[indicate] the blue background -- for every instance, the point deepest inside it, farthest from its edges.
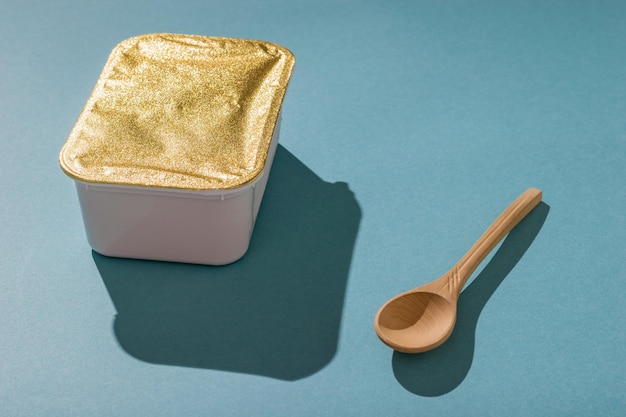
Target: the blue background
(408, 127)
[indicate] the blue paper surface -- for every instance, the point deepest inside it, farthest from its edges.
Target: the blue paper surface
(407, 128)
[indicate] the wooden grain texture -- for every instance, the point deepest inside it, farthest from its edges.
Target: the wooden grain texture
(423, 318)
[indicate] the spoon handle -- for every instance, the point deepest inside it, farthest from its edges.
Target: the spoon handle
(509, 218)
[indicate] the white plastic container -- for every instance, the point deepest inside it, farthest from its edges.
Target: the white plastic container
(175, 190)
(210, 227)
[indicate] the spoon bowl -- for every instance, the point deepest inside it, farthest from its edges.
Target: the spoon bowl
(423, 318)
(416, 321)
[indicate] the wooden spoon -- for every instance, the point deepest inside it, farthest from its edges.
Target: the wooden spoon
(423, 318)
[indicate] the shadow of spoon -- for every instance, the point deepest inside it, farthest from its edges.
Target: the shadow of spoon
(439, 371)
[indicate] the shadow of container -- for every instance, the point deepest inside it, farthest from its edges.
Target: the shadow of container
(276, 312)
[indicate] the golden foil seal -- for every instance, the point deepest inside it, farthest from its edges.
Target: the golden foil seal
(180, 111)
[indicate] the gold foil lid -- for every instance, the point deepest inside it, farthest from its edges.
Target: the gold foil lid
(180, 111)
